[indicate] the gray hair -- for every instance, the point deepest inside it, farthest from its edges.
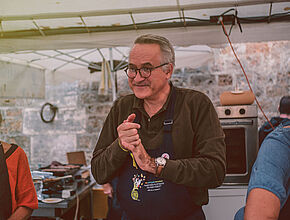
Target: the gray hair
(166, 48)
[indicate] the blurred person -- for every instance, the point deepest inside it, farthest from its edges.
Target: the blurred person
(284, 110)
(269, 186)
(163, 145)
(114, 209)
(17, 193)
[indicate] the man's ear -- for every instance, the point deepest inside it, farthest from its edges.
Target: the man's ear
(169, 70)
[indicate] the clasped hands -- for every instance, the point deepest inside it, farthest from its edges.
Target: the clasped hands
(130, 140)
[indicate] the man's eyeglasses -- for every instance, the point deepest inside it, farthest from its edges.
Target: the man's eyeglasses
(144, 72)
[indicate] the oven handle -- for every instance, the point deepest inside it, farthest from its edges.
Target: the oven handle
(238, 123)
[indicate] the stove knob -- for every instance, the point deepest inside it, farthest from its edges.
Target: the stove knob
(227, 111)
(242, 111)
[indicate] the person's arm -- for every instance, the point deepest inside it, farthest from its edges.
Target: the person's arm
(262, 204)
(206, 166)
(21, 213)
(267, 190)
(25, 193)
(108, 156)
(108, 189)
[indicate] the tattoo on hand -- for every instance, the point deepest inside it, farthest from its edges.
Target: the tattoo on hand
(141, 157)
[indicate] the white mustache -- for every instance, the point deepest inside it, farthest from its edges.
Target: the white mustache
(140, 84)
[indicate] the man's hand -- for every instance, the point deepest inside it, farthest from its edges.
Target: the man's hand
(128, 133)
(129, 139)
(108, 189)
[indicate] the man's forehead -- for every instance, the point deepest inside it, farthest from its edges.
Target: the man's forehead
(145, 53)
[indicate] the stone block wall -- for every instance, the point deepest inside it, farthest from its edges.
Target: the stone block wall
(81, 111)
(78, 121)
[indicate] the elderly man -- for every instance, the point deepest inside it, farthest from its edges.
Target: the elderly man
(163, 144)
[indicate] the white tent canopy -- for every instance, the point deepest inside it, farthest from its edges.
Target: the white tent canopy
(73, 24)
(65, 35)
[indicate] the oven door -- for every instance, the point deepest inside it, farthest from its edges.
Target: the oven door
(241, 138)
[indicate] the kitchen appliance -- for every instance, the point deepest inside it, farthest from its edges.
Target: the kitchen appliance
(65, 179)
(239, 123)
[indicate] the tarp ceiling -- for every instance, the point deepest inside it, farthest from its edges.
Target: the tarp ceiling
(72, 24)
(76, 33)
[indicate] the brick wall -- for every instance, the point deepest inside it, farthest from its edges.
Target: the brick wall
(81, 111)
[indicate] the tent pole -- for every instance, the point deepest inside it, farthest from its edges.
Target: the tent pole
(112, 72)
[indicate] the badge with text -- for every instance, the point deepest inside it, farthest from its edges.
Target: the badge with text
(138, 181)
(165, 155)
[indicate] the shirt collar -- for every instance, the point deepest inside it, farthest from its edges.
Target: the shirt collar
(285, 122)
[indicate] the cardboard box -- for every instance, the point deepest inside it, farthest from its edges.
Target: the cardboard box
(100, 203)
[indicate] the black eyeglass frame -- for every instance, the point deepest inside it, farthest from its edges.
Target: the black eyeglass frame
(139, 70)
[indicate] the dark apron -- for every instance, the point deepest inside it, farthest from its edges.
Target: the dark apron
(5, 192)
(144, 196)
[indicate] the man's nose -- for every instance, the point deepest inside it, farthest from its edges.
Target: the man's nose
(138, 77)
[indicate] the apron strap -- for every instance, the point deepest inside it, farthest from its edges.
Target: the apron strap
(5, 192)
(167, 144)
(168, 122)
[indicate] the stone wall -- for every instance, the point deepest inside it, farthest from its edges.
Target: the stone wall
(81, 111)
